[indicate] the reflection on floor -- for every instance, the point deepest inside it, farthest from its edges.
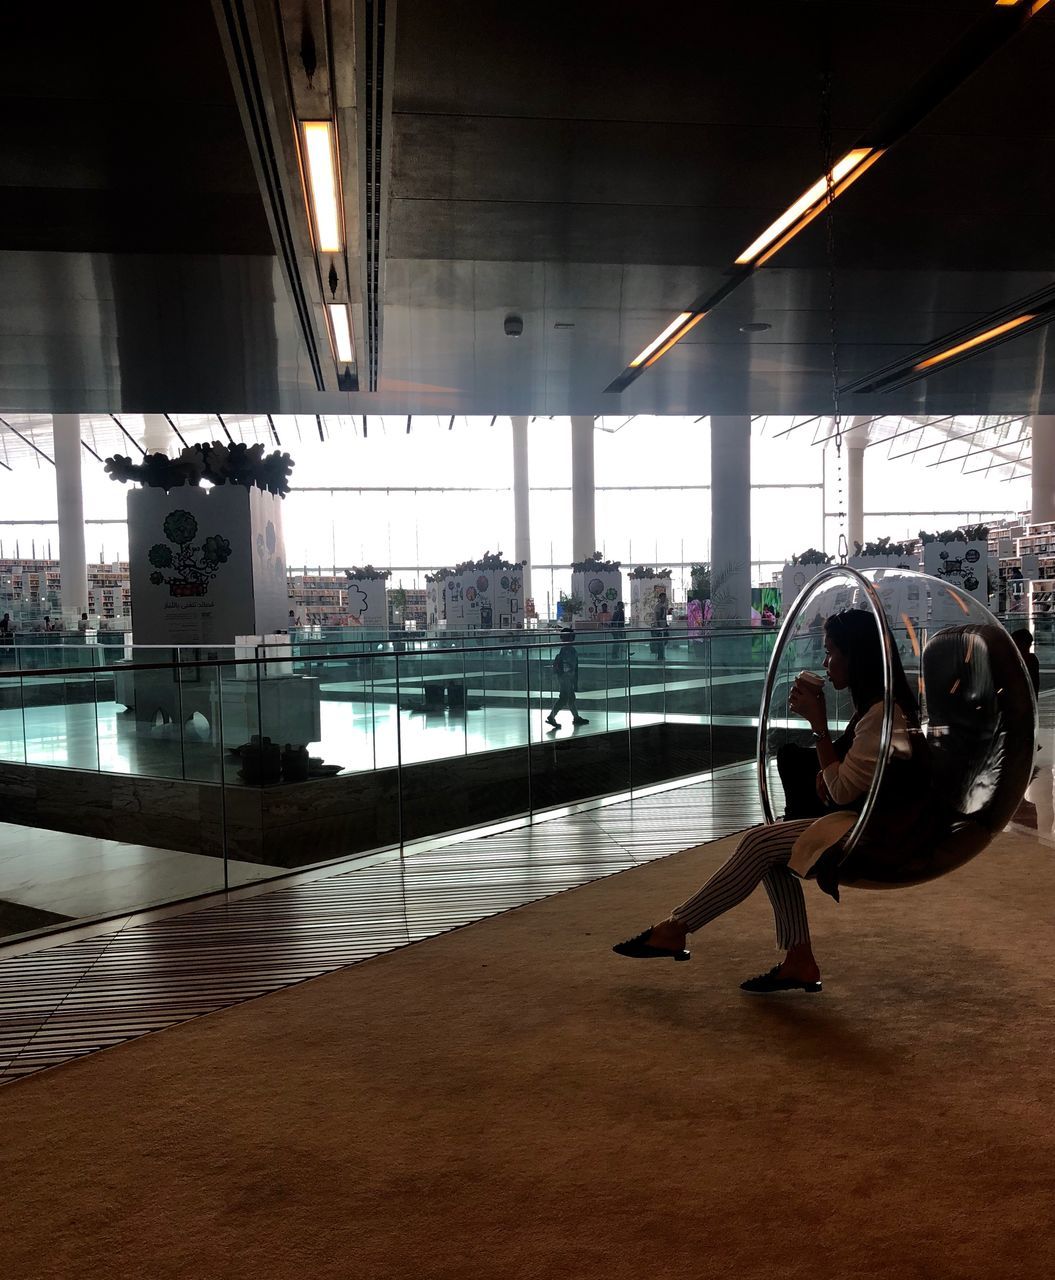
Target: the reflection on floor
(47, 877)
(357, 735)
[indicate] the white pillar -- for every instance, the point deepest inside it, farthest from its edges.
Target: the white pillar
(521, 501)
(731, 518)
(854, 441)
(157, 434)
(66, 430)
(1043, 449)
(583, 529)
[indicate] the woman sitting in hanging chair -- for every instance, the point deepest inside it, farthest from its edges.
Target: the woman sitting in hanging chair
(853, 661)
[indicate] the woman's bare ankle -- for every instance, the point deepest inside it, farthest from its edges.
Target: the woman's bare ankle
(669, 932)
(800, 963)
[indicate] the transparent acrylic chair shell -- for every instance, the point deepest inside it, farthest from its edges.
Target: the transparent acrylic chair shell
(810, 593)
(978, 700)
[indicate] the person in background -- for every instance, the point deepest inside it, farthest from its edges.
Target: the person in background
(660, 626)
(1023, 639)
(82, 625)
(617, 623)
(566, 665)
(5, 625)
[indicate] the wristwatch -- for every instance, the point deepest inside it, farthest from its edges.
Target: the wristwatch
(820, 737)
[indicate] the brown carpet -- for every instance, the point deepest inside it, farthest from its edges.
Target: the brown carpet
(512, 1100)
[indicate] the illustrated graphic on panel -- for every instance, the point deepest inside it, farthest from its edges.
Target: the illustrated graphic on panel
(193, 568)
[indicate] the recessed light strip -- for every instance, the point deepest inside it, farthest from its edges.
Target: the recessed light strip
(813, 199)
(694, 319)
(678, 326)
(976, 341)
(341, 326)
(321, 165)
(837, 190)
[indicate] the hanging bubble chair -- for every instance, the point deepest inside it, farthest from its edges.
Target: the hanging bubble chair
(972, 748)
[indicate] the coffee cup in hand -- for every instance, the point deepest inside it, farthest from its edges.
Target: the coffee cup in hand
(810, 679)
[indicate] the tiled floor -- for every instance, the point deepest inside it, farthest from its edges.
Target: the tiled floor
(150, 971)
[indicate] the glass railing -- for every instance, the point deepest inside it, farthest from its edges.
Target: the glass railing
(178, 771)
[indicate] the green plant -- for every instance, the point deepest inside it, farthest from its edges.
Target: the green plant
(240, 464)
(812, 556)
(594, 564)
(968, 533)
(700, 579)
(367, 573)
(570, 605)
(489, 560)
(648, 571)
(882, 547)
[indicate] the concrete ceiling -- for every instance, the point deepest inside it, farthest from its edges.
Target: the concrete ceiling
(577, 165)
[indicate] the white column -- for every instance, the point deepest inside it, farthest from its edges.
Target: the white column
(1043, 449)
(521, 501)
(854, 440)
(66, 429)
(731, 518)
(157, 434)
(583, 529)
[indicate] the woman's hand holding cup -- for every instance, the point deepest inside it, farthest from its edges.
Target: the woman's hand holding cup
(807, 699)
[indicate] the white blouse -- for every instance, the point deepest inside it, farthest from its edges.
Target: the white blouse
(850, 778)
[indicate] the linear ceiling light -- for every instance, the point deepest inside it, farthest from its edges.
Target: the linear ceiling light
(808, 205)
(322, 179)
(342, 331)
(976, 341)
(674, 332)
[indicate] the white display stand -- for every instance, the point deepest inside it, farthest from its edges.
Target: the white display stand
(483, 599)
(794, 578)
(206, 564)
(435, 606)
(643, 595)
(367, 602)
(598, 589)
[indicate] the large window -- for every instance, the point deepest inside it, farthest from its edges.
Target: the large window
(442, 492)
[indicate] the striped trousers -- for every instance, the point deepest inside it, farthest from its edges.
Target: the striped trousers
(761, 856)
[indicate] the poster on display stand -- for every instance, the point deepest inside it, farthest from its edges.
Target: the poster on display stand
(961, 564)
(367, 602)
(598, 589)
(644, 592)
(507, 596)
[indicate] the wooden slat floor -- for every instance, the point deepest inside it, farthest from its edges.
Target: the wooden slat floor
(67, 1000)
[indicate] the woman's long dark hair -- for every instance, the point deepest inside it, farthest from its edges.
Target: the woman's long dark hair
(855, 634)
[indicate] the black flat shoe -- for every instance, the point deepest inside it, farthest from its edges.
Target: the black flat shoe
(766, 983)
(639, 948)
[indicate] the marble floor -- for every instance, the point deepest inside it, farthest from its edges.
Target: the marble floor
(78, 877)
